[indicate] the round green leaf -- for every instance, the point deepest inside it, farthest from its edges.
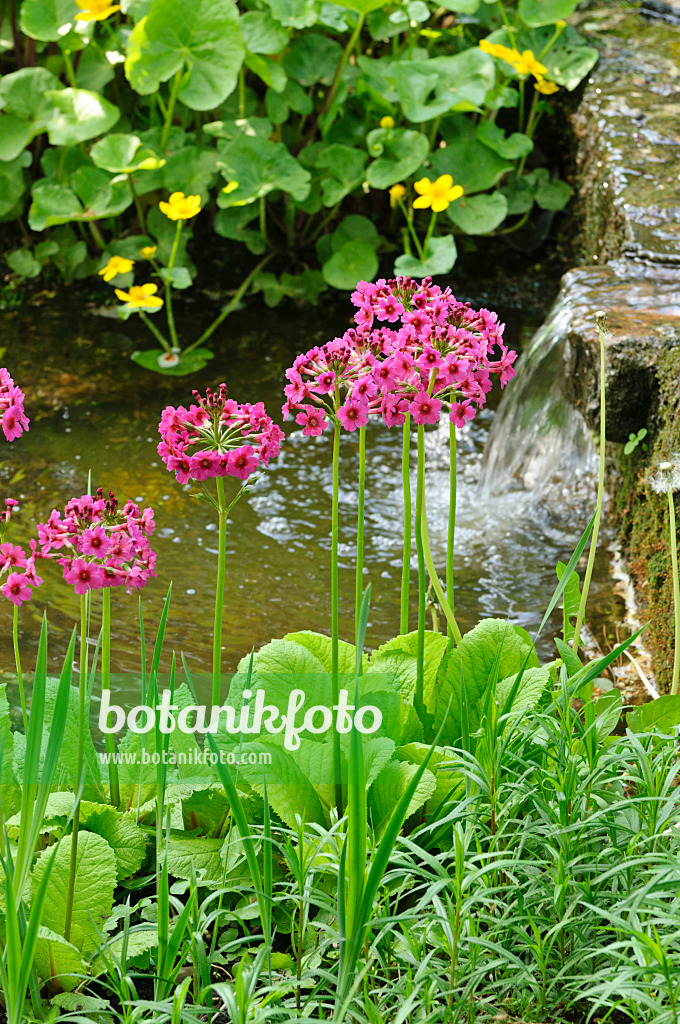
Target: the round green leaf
(477, 215)
(190, 363)
(354, 261)
(440, 258)
(121, 154)
(202, 37)
(313, 58)
(552, 195)
(355, 228)
(545, 12)
(294, 13)
(262, 34)
(399, 152)
(80, 115)
(260, 166)
(44, 19)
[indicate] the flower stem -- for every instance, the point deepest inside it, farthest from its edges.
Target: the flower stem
(452, 525)
(154, 330)
(82, 695)
(406, 556)
(219, 593)
(422, 582)
(602, 329)
(676, 591)
(412, 230)
(428, 236)
(330, 95)
(167, 124)
(335, 621)
(17, 662)
(168, 287)
(360, 530)
(243, 288)
(109, 741)
(432, 571)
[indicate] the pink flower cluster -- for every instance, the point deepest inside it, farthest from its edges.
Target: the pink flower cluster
(14, 419)
(104, 545)
(440, 353)
(207, 439)
(17, 586)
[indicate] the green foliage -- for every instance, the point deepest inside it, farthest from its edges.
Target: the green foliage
(262, 108)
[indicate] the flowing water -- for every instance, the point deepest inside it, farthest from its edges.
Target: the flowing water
(518, 511)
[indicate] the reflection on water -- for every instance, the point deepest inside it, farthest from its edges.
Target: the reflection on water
(279, 537)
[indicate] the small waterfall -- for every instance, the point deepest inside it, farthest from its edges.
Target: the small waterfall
(538, 443)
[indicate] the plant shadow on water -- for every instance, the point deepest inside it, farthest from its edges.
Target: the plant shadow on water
(278, 548)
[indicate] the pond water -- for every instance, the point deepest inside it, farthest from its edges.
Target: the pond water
(92, 409)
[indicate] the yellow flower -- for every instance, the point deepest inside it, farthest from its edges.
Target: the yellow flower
(141, 296)
(95, 10)
(496, 50)
(397, 192)
(181, 207)
(387, 122)
(560, 24)
(438, 194)
(545, 86)
(147, 252)
(528, 65)
(116, 265)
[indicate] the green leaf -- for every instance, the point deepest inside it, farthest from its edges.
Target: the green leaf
(519, 193)
(660, 715)
(470, 163)
(313, 58)
(45, 19)
(232, 223)
(294, 13)
(320, 646)
(308, 285)
(390, 786)
(290, 779)
(93, 897)
(27, 111)
(478, 215)
(123, 154)
(440, 257)
(399, 153)
(461, 6)
(138, 941)
(124, 837)
(360, 6)
(353, 261)
(203, 38)
(474, 659)
(268, 69)
(450, 784)
(260, 166)
(355, 228)
(545, 12)
(531, 688)
(58, 961)
(512, 148)
(192, 170)
(400, 657)
(261, 33)
(24, 263)
(428, 89)
(192, 362)
(571, 595)
(184, 853)
(12, 183)
(551, 195)
(81, 115)
(344, 166)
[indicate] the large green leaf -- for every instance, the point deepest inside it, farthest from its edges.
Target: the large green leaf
(191, 170)
(469, 162)
(295, 13)
(46, 19)
(342, 168)
(260, 166)
(292, 779)
(474, 659)
(313, 58)
(123, 154)
(80, 115)
(93, 195)
(450, 784)
(440, 257)
(399, 656)
(662, 714)
(510, 148)
(58, 961)
(353, 262)
(477, 215)
(183, 852)
(124, 837)
(545, 12)
(12, 182)
(398, 152)
(360, 6)
(389, 788)
(320, 646)
(428, 89)
(261, 33)
(202, 37)
(93, 895)
(26, 110)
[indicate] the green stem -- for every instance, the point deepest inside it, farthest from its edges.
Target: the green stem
(109, 742)
(82, 697)
(138, 206)
(167, 124)
(428, 236)
(412, 230)
(676, 592)
(168, 287)
(521, 105)
(601, 326)
(243, 288)
(263, 219)
(341, 66)
(406, 556)
(68, 65)
(335, 619)
(97, 235)
(504, 16)
(432, 572)
(242, 93)
(360, 530)
(422, 582)
(219, 593)
(452, 524)
(17, 662)
(154, 330)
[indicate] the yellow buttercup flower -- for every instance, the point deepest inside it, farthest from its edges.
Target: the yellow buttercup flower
(545, 86)
(397, 192)
(496, 50)
(438, 194)
(141, 296)
(387, 122)
(181, 207)
(116, 265)
(528, 65)
(147, 252)
(95, 10)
